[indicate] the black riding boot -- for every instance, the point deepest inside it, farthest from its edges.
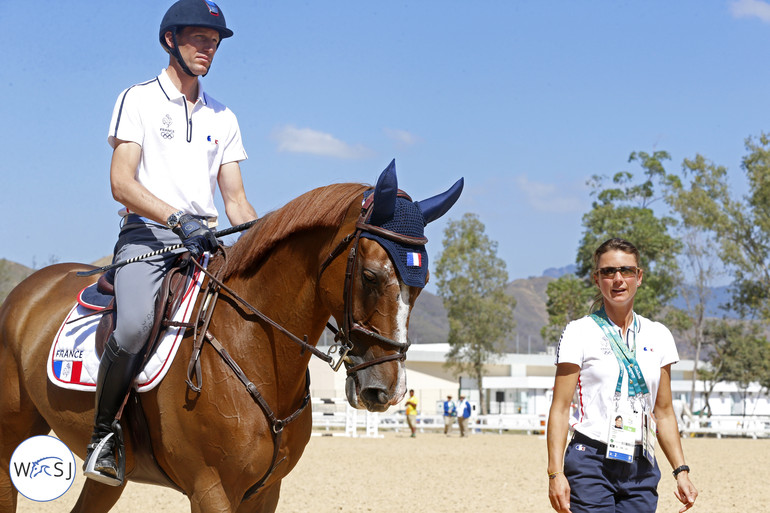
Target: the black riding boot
(117, 370)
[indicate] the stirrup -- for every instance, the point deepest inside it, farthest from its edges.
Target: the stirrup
(89, 467)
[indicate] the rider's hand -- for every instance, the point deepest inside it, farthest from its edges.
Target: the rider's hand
(196, 236)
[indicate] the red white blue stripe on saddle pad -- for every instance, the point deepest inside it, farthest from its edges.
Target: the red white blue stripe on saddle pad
(73, 363)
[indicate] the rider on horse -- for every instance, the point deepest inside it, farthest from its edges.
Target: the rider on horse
(171, 144)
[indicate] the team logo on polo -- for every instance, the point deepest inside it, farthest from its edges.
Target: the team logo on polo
(168, 132)
(606, 348)
(42, 468)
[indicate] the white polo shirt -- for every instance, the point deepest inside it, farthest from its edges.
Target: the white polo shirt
(584, 343)
(182, 149)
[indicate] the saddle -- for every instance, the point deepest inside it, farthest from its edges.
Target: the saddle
(167, 303)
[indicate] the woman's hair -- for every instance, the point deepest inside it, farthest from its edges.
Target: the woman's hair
(614, 244)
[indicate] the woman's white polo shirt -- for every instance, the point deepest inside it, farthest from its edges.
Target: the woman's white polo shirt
(583, 343)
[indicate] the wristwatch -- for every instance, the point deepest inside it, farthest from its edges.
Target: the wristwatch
(680, 469)
(173, 219)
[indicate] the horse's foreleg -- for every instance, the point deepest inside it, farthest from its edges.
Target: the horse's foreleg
(266, 501)
(96, 497)
(211, 498)
(209, 495)
(19, 420)
(8, 494)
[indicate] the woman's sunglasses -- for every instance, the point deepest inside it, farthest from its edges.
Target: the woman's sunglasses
(626, 271)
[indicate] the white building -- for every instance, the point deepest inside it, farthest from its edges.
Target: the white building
(523, 383)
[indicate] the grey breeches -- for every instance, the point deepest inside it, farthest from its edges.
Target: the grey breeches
(137, 283)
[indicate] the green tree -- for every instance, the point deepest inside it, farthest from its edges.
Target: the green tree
(692, 197)
(743, 230)
(568, 299)
(622, 208)
(471, 280)
(741, 227)
(739, 353)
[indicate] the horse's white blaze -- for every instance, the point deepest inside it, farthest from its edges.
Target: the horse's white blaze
(402, 316)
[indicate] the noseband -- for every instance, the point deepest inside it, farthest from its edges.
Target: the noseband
(343, 337)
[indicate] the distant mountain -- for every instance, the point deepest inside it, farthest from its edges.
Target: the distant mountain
(11, 274)
(719, 296)
(429, 322)
(558, 272)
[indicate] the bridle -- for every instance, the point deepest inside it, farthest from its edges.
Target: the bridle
(343, 337)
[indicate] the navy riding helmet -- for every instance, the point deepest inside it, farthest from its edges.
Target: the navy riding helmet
(191, 13)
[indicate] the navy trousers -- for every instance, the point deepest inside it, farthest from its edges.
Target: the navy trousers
(599, 485)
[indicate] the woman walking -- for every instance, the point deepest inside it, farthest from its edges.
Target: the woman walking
(619, 364)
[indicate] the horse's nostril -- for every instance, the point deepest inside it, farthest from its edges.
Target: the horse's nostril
(375, 396)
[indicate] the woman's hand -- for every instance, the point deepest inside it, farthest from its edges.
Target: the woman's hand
(558, 493)
(685, 491)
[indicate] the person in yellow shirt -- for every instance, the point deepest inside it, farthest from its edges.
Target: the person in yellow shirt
(411, 412)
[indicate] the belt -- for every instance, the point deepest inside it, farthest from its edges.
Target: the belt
(580, 438)
(211, 222)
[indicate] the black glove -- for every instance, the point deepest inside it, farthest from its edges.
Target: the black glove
(196, 236)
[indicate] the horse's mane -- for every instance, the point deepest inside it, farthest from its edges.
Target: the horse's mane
(324, 207)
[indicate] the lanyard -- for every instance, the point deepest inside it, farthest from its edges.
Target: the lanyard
(625, 356)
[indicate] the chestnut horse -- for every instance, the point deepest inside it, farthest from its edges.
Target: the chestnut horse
(225, 445)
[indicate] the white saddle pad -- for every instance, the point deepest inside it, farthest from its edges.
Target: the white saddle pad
(73, 363)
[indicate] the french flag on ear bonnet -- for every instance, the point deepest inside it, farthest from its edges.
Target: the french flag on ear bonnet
(403, 216)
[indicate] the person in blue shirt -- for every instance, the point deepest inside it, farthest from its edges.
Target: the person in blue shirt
(463, 414)
(450, 412)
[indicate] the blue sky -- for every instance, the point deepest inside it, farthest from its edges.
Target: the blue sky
(525, 99)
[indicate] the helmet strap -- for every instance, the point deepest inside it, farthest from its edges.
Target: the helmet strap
(178, 56)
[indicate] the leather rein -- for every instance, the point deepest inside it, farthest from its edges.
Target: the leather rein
(342, 337)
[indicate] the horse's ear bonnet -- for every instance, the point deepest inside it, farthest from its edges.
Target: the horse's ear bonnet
(398, 213)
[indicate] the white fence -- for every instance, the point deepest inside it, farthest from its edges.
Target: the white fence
(532, 424)
(335, 417)
(726, 425)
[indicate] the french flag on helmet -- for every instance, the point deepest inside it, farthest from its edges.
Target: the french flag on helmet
(414, 259)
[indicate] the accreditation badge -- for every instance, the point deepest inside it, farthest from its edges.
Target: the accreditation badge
(649, 437)
(625, 425)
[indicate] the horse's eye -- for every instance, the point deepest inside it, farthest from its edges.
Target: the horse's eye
(369, 277)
